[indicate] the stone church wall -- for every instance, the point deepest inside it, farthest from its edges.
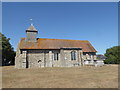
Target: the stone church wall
(45, 58)
(66, 58)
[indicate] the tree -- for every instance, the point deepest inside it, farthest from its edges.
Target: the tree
(8, 54)
(112, 55)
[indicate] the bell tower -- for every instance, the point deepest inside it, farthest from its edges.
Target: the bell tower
(31, 34)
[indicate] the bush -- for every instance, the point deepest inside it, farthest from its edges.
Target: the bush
(112, 55)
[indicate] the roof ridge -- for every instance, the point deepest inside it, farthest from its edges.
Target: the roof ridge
(63, 39)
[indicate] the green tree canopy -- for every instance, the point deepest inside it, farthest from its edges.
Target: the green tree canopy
(8, 53)
(112, 55)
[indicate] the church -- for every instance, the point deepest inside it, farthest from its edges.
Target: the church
(33, 52)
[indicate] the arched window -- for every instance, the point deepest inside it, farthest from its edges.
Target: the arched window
(55, 56)
(73, 55)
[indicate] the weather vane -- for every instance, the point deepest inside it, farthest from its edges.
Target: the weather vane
(31, 21)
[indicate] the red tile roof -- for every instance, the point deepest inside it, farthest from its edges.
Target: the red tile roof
(44, 43)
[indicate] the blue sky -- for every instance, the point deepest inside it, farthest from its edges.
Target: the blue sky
(96, 22)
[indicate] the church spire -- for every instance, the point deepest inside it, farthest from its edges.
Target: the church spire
(31, 28)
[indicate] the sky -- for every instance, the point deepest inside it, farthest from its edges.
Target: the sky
(96, 22)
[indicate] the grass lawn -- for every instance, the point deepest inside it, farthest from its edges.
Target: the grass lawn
(73, 77)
